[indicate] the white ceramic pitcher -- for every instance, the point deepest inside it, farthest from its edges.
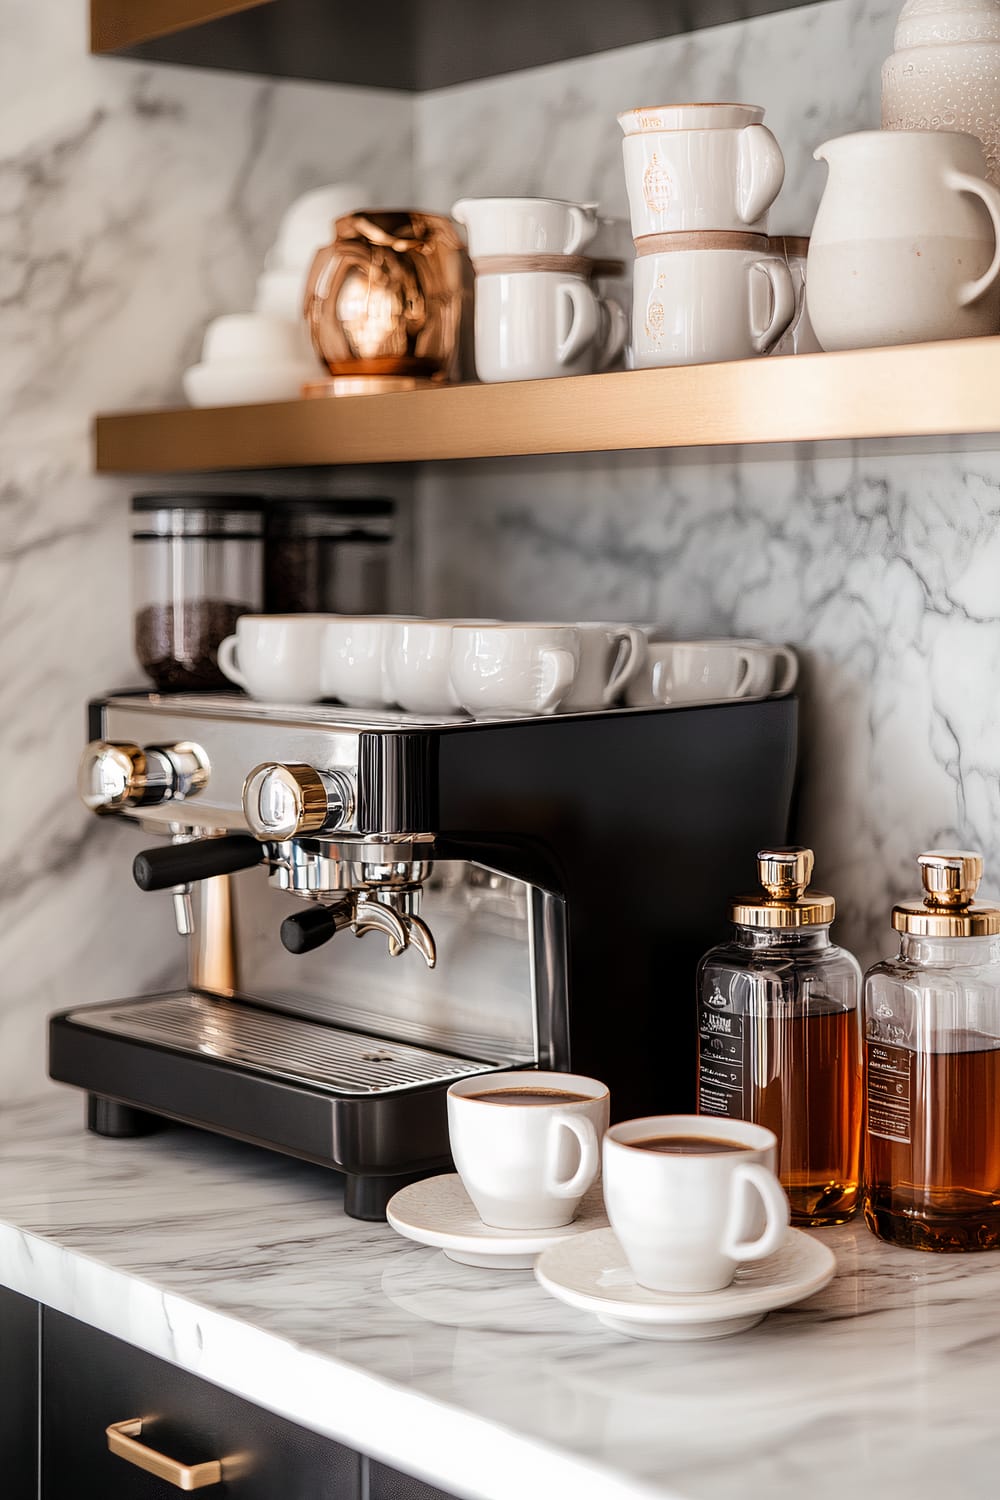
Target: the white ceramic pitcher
(906, 243)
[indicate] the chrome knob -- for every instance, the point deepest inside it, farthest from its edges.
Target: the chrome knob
(282, 801)
(117, 775)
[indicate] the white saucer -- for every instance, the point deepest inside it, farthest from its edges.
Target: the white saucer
(439, 1212)
(591, 1272)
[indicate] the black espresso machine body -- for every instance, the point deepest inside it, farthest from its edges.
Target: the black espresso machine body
(530, 892)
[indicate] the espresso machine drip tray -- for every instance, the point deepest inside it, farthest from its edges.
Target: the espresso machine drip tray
(280, 1046)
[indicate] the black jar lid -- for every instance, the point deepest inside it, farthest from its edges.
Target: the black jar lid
(168, 500)
(308, 505)
(201, 517)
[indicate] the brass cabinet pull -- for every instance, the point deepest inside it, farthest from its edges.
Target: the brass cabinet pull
(123, 1441)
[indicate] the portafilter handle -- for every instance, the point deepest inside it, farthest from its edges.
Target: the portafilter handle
(195, 859)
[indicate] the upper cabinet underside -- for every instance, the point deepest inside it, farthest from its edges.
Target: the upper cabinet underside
(396, 44)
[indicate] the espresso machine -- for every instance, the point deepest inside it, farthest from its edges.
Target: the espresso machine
(375, 905)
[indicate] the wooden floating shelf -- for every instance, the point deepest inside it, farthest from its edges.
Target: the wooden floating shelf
(915, 391)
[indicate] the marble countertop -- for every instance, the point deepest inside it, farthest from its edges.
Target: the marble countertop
(241, 1267)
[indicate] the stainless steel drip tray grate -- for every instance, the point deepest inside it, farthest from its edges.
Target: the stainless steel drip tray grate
(308, 1052)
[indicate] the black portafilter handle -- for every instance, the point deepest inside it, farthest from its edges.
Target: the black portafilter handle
(309, 929)
(200, 859)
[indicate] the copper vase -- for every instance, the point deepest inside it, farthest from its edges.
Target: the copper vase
(386, 298)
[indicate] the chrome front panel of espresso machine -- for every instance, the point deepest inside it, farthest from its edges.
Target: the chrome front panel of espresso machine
(376, 905)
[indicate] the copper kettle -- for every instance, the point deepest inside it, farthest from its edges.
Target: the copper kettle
(386, 298)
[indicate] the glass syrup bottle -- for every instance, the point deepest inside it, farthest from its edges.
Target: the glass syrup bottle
(932, 1067)
(780, 1035)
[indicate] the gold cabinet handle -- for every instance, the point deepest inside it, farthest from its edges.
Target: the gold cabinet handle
(123, 1441)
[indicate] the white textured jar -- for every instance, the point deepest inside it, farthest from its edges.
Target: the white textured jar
(945, 72)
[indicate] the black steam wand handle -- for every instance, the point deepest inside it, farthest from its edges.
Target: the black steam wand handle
(199, 859)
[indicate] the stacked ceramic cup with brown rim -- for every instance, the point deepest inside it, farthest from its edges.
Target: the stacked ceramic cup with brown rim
(701, 179)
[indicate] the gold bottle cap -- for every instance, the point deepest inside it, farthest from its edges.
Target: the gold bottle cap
(951, 878)
(784, 875)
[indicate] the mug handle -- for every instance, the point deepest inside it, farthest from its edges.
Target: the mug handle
(964, 182)
(582, 229)
(584, 319)
(788, 671)
(631, 650)
(618, 325)
(563, 668)
(582, 1127)
(743, 681)
(776, 1212)
(761, 169)
(226, 657)
(782, 302)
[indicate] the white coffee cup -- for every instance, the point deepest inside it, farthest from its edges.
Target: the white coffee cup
(309, 222)
(525, 226)
(515, 669)
(276, 658)
(353, 659)
(708, 298)
(418, 665)
(534, 325)
(708, 116)
(251, 338)
(773, 669)
(610, 657)
(686, 1221)
(527, 1165)
(683, 180)
(692, 672)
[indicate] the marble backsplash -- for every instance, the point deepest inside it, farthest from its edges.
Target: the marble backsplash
(135, 203)
(880, 567)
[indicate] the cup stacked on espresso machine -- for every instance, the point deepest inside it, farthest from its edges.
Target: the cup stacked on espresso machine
(701, 179)
(538, 312)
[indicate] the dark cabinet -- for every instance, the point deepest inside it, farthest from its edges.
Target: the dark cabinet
(18, 1396)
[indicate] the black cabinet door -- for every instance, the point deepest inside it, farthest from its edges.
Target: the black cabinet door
(18, 1396)
(90, 1380)
(389, 1484)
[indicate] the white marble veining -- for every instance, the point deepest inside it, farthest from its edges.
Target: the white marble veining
(136, 202)
(241, 1267)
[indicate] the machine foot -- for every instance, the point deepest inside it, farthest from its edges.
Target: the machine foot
(119, 1121)
(368, 1197)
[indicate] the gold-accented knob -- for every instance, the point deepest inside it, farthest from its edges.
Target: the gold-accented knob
(283, 801)
(785, 873)
(950, 876)
(113, 776)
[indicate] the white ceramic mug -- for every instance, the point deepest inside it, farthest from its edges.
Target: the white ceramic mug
(686, 1221)
(353, 659)
(517, 669)
(610, 657)
(708, 298)
(525, 226)
(692, 672)
(773, 669)
(906, 243)
(276, 658)
(418, 665)
(527, 1165)
(533, 325)
(680, 180)
(252, 337)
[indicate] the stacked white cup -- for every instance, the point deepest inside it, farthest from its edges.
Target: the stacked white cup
(538, 312)
(701, 179)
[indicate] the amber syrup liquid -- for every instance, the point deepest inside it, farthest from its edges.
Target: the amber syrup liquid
(806, 1086)
(941, 1190)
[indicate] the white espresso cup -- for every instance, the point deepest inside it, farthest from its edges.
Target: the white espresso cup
(708, 116)
(773, 669)
(687, 1217)
(525, 226)
(706, 298)
(418, 665)
(515, 669)
(527, 1145)
(276, 658)
(534, 325)
(610, 657)
(353, 659)
(677, 672)
(682, 180)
